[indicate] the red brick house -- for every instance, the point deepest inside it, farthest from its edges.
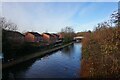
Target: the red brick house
(12, 38)
(60, 36)
(56, 36)
(33, 37)
(48, 38)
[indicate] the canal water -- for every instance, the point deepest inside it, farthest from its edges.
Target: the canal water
(64, 63)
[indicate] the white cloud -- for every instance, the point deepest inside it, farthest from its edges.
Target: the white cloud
(85, 11)
(44, 18)
(16, 14)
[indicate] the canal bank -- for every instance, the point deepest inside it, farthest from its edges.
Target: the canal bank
(62, 63)
(31, 56)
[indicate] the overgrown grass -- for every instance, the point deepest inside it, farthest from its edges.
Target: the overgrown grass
(101, 50)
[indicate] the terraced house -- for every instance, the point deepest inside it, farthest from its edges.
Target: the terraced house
(48, 38)
(12, 38)
(33, 37)
(56, 36)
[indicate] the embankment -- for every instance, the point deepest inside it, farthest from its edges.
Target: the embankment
(31, 56)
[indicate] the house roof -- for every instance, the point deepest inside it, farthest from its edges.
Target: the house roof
(9, 32)
(35, 33)
(56, 34)
(49, 34)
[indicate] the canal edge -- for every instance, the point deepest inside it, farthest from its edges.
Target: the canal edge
(31, 56)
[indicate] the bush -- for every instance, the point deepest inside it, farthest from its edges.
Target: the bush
(102, 48)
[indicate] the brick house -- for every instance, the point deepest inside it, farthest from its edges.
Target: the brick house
(33, 37)
(56, 36)
(12, 38)
(48, 38)
(61, 36)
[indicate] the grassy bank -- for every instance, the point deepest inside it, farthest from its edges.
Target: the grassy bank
(101, 53)
(34, 55)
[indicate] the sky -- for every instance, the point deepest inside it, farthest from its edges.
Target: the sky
(53, 16)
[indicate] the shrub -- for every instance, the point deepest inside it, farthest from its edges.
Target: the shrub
(102, 48)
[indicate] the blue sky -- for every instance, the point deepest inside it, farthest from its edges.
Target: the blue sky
(52, 16)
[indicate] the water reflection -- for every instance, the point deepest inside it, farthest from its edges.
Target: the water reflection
(10, 73)
(68, 50)
(64, 63)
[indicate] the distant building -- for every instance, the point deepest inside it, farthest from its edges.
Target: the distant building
(61, 36)
(56, 36)
(48, 38)
(12, 38)
(33, 37)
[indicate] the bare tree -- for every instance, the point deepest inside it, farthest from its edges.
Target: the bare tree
(7, 25)
(115, 17)
(68, 33)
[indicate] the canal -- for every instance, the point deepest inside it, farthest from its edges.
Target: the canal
(64, 63)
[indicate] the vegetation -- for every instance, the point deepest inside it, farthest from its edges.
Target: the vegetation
(12, 49)
(68, 34)
(4, 24)
(101, 53)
